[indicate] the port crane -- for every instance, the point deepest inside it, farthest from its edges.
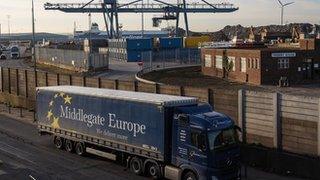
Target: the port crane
(170, 11)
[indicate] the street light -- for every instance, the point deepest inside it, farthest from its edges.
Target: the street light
(33, 46)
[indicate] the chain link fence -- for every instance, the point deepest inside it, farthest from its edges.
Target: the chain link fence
(170, 58)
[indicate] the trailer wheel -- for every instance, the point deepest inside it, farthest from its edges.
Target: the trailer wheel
(136, 166)
(80, 149)
(189, 176)
(153, 170)
(69, 145)
(58, 142)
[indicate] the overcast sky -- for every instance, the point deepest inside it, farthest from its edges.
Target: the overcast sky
(252, 12)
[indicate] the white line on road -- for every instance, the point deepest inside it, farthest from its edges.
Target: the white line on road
(14, 152)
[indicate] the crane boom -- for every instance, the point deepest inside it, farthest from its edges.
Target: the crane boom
(112, 8)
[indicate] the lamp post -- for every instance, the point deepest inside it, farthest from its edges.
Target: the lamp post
(33, 46)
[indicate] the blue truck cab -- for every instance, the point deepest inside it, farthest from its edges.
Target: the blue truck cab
(206, 143)
(153, 134)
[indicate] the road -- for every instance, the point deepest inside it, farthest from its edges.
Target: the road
(25, 155)
(121, 70)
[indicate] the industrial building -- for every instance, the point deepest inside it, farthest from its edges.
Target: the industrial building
(268, 65)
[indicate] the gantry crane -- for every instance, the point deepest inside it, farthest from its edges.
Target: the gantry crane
(171, 11)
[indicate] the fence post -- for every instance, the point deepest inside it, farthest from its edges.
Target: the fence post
(157, 88)
(17, 82)
(210, 97)
(26, 82)
(84, 81)
(1, 69)
(277, 139)
(9, 80)
(319, 130)
(241, 112)
(135, 86)
(116, 84)
(182, 92)
(58, 79)
(70, 80)
(46, 76)
(99, 82)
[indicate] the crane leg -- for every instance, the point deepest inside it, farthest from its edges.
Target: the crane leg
(186, 17)
(177, 23)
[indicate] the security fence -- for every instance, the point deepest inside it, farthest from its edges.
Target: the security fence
(167, 58)
(75, 60)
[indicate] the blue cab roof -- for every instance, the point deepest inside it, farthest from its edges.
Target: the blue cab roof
(204, 118)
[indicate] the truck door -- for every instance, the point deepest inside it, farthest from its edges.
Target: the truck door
(197, 151)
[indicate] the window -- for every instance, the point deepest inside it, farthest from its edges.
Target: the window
(207, 61)
(232, 63)
(222, 139)
(198, 140)
(250, 63)
(283, 63)
(219, 62)
(243, 65)
(256, 63)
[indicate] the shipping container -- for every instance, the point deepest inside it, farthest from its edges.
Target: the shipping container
(194, 42)
(164, 136)
(139, 44)
(168, 43)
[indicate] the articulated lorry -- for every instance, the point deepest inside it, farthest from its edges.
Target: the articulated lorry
(161, 136)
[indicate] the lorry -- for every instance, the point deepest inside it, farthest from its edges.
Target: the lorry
(161, 136)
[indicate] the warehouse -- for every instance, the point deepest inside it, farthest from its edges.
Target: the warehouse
(270, 66)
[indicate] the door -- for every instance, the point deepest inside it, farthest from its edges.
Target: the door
(308, 66)
(197, 151)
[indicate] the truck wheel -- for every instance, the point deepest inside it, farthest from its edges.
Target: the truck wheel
(189, 176)
(58, 142)
(136, 166)
(153, 170)
(80, 149)
(69, 145)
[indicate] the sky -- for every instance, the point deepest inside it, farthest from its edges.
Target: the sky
(251, 13)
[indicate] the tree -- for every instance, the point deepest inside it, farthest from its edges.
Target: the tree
(227, 64)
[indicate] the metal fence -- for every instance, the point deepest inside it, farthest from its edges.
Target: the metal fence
(167, 58)
(76, 60)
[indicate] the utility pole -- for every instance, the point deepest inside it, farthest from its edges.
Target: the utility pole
(142, 19)
(33, 46)
(9, 31)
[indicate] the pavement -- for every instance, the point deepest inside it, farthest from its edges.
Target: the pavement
(121, 70)
(26, 155)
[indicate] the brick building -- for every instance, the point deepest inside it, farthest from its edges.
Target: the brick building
(264, 65)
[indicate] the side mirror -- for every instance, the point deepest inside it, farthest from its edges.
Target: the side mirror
(238, 128)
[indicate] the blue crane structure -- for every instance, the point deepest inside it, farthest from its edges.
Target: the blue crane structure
(171, 11)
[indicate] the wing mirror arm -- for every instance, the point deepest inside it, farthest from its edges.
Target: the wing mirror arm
(238, 128)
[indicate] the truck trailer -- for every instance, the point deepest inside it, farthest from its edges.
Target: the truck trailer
(161, 136)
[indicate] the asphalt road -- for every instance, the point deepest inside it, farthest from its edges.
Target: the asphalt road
(121, 70)
(25, 155)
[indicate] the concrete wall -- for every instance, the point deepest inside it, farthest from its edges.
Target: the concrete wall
(281, 121)
(75, 60)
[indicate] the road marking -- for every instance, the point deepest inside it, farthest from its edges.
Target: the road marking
(2, 172)
(14, 151)
(32, 177)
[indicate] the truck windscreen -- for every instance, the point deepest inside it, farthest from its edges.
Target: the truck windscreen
(222, 139)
